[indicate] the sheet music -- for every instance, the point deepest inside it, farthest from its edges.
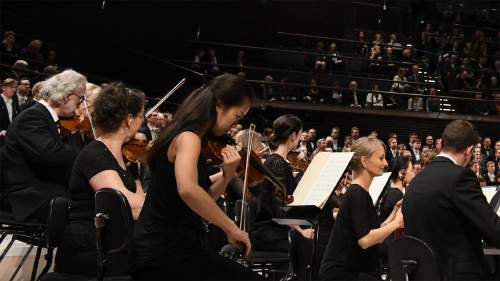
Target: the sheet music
(489, 192)
(320, 178)
(377, 186)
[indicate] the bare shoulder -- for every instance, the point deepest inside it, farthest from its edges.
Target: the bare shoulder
(185, 141)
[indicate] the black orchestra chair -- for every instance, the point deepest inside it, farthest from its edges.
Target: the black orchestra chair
(114, 226)
(31, 232)
(268, 263)
(57, 220)
(412, 259)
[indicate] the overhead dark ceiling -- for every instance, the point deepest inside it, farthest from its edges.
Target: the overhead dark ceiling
(104, 41)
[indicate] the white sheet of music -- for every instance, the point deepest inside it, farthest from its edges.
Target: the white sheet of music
(320, 178)
(377, 186)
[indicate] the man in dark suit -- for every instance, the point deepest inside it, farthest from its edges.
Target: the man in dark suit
(36, 162)
(415, 150)
(352, 98)
(8, 104)
(445, 207)
(487, 150)
(392, 151)
(337, 144)
(23, 92)
(150, 126)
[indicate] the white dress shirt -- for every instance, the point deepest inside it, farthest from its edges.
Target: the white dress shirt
(51, 110)
(442, 154)
(153, 131)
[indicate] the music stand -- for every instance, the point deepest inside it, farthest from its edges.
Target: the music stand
(303, 215)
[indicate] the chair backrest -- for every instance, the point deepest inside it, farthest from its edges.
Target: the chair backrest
(413, 258)
(117, 233)
(114, 226)
(57, 220)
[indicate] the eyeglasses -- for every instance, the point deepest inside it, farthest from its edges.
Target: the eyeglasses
(80, 98)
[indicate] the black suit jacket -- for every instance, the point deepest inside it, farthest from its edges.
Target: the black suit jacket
(413, 157)
(340, 145)
(146, 131)
(36, 163)
(445, 207)
(489, 154)
(4, 113)
(389, 157)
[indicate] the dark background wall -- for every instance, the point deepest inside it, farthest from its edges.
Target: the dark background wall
(104, 42)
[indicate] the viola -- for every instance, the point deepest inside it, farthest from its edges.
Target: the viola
(75, 124)
(297, 163)
(256, 171)
(135, 150)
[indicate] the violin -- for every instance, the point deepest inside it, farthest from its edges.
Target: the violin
(297, 163)
(135, 151)
(75, 124)
(257, 172)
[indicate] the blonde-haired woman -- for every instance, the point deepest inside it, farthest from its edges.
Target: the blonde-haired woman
(241, 139)
(351, 253)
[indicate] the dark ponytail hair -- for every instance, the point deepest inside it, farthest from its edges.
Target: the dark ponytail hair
(399, 163)
(283, 127)
(198, 114)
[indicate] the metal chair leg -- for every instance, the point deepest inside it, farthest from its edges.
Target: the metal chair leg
(3, 237)
(48, 258)
(37, 258)
(6, 250)
(21, 263)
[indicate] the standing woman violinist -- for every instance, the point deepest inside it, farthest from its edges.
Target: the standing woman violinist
(266, 234)
(117, 116)
(169, 239)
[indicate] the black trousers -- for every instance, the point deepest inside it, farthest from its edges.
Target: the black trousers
(202, 265)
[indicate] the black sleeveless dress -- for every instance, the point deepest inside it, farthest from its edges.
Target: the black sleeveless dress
(78, 252)
(169, 238)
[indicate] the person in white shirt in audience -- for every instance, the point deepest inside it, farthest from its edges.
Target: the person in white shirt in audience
(415, 103)
(374, 98)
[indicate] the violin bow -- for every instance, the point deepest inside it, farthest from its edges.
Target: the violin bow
(159, 103)
(245, 178)
(88, 114)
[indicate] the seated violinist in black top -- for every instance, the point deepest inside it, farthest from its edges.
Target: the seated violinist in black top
(169, 238)
(401, 175)
(351, 253)
(117, 116)
(266, 234)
